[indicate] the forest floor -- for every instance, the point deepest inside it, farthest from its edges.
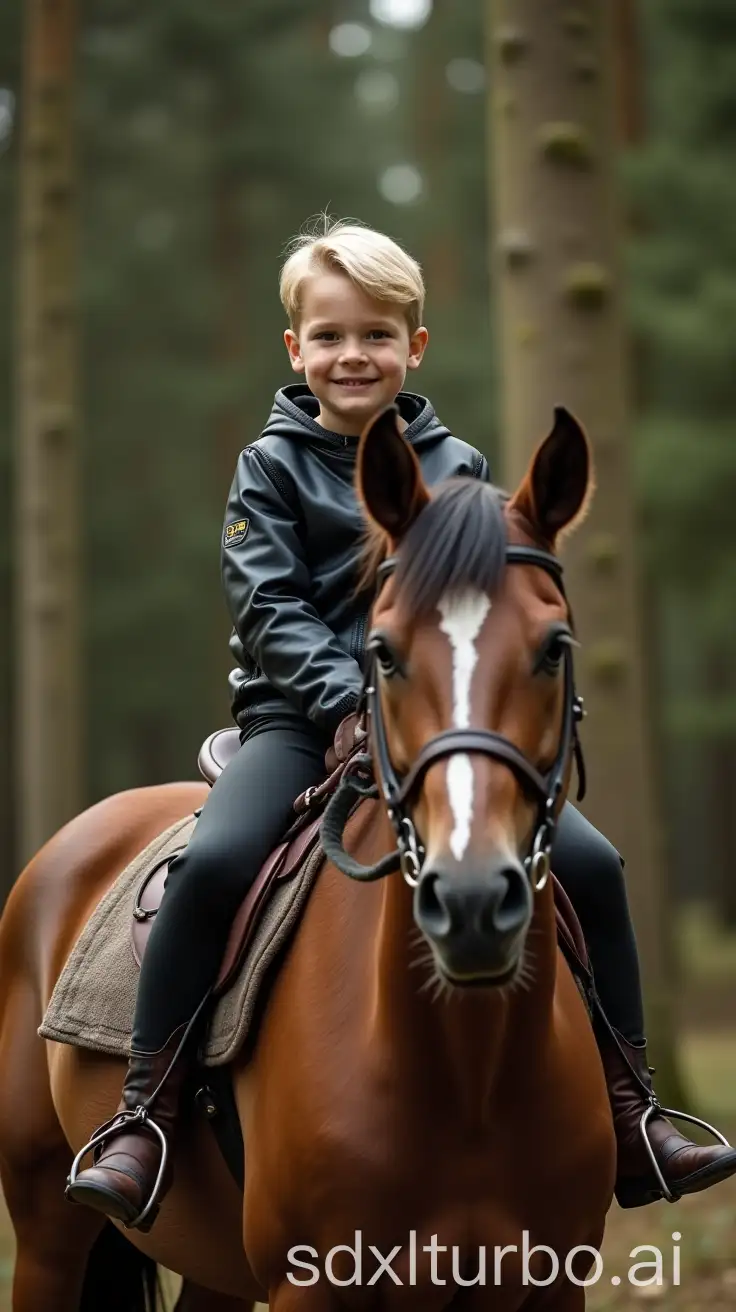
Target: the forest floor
(706, 1222)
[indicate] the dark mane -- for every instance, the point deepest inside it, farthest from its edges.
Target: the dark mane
(458, 541)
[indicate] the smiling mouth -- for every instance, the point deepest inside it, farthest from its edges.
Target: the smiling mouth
(354, 383)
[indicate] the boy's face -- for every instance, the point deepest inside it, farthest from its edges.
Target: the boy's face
(353, 351)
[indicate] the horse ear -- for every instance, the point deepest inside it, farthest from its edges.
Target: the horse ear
(389, 478)
(559, 483)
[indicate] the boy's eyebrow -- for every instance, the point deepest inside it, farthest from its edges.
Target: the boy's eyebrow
(320, 325)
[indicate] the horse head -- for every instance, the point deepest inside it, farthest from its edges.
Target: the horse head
(472, 708)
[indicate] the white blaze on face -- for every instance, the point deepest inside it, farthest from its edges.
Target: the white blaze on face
(462, 620)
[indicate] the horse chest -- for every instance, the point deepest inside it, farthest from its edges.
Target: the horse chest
(410, 1210)
(425, 1260)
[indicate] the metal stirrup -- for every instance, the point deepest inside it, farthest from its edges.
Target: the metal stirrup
(107, 1131)
(655, 1108)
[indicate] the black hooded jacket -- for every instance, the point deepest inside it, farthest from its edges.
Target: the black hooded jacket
(290, 549)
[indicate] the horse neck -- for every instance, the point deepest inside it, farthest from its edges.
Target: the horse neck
(465, 1045)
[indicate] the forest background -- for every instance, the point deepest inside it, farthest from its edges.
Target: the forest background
(205, 136)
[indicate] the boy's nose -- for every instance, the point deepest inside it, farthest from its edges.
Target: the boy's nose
(353, 352)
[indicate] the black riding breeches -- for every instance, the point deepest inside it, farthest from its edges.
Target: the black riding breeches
(247, 811)
(591, 873)
(244, 817)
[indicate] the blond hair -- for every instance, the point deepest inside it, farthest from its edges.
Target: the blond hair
(374, 262)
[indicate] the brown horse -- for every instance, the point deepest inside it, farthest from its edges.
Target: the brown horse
(375, 1114)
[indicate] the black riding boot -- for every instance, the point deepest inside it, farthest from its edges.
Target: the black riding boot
(132, 1151)
(685, 1167)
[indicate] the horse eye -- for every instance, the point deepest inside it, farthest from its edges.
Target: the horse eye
(386, 660)
(551, 656)
(385, 656)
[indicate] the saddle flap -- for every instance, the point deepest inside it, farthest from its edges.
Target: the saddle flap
(280, 866)
(283, 862)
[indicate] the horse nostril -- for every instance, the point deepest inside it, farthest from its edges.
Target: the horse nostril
(431, 909)
(507, 905)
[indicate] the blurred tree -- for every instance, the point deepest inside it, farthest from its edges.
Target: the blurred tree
(629, 84)
(10, 49)
(449, 224)
(49, 717)
(684, 309)
(556, 242)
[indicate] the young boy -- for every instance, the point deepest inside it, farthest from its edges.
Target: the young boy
(290, 552)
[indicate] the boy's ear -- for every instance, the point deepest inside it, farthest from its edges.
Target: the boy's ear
(295, 350)
(417, 346)
(388, 475)
(557, 489)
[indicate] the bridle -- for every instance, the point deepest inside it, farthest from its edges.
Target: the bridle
(547, 788)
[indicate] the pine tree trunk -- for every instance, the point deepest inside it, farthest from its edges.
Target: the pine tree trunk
(8, 863)
(556, 268)
(631, 131)
(231, 358)
(432, 117)
(48, 702)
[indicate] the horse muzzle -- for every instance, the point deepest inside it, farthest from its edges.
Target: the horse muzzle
(476, 922)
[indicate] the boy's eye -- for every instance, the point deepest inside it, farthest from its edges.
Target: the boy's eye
(328, 336)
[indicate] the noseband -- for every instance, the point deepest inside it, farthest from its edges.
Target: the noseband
(546, 788)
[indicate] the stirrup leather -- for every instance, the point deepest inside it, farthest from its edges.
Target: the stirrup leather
(655, 1108)
(107, 1131)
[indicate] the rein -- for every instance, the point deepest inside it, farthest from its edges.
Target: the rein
(358, 780)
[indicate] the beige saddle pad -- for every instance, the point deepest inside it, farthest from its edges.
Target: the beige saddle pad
(93, 1003)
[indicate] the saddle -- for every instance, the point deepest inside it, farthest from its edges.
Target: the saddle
(282, 864)
(298, 843)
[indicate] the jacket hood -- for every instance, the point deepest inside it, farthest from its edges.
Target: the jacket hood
(295, 409)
